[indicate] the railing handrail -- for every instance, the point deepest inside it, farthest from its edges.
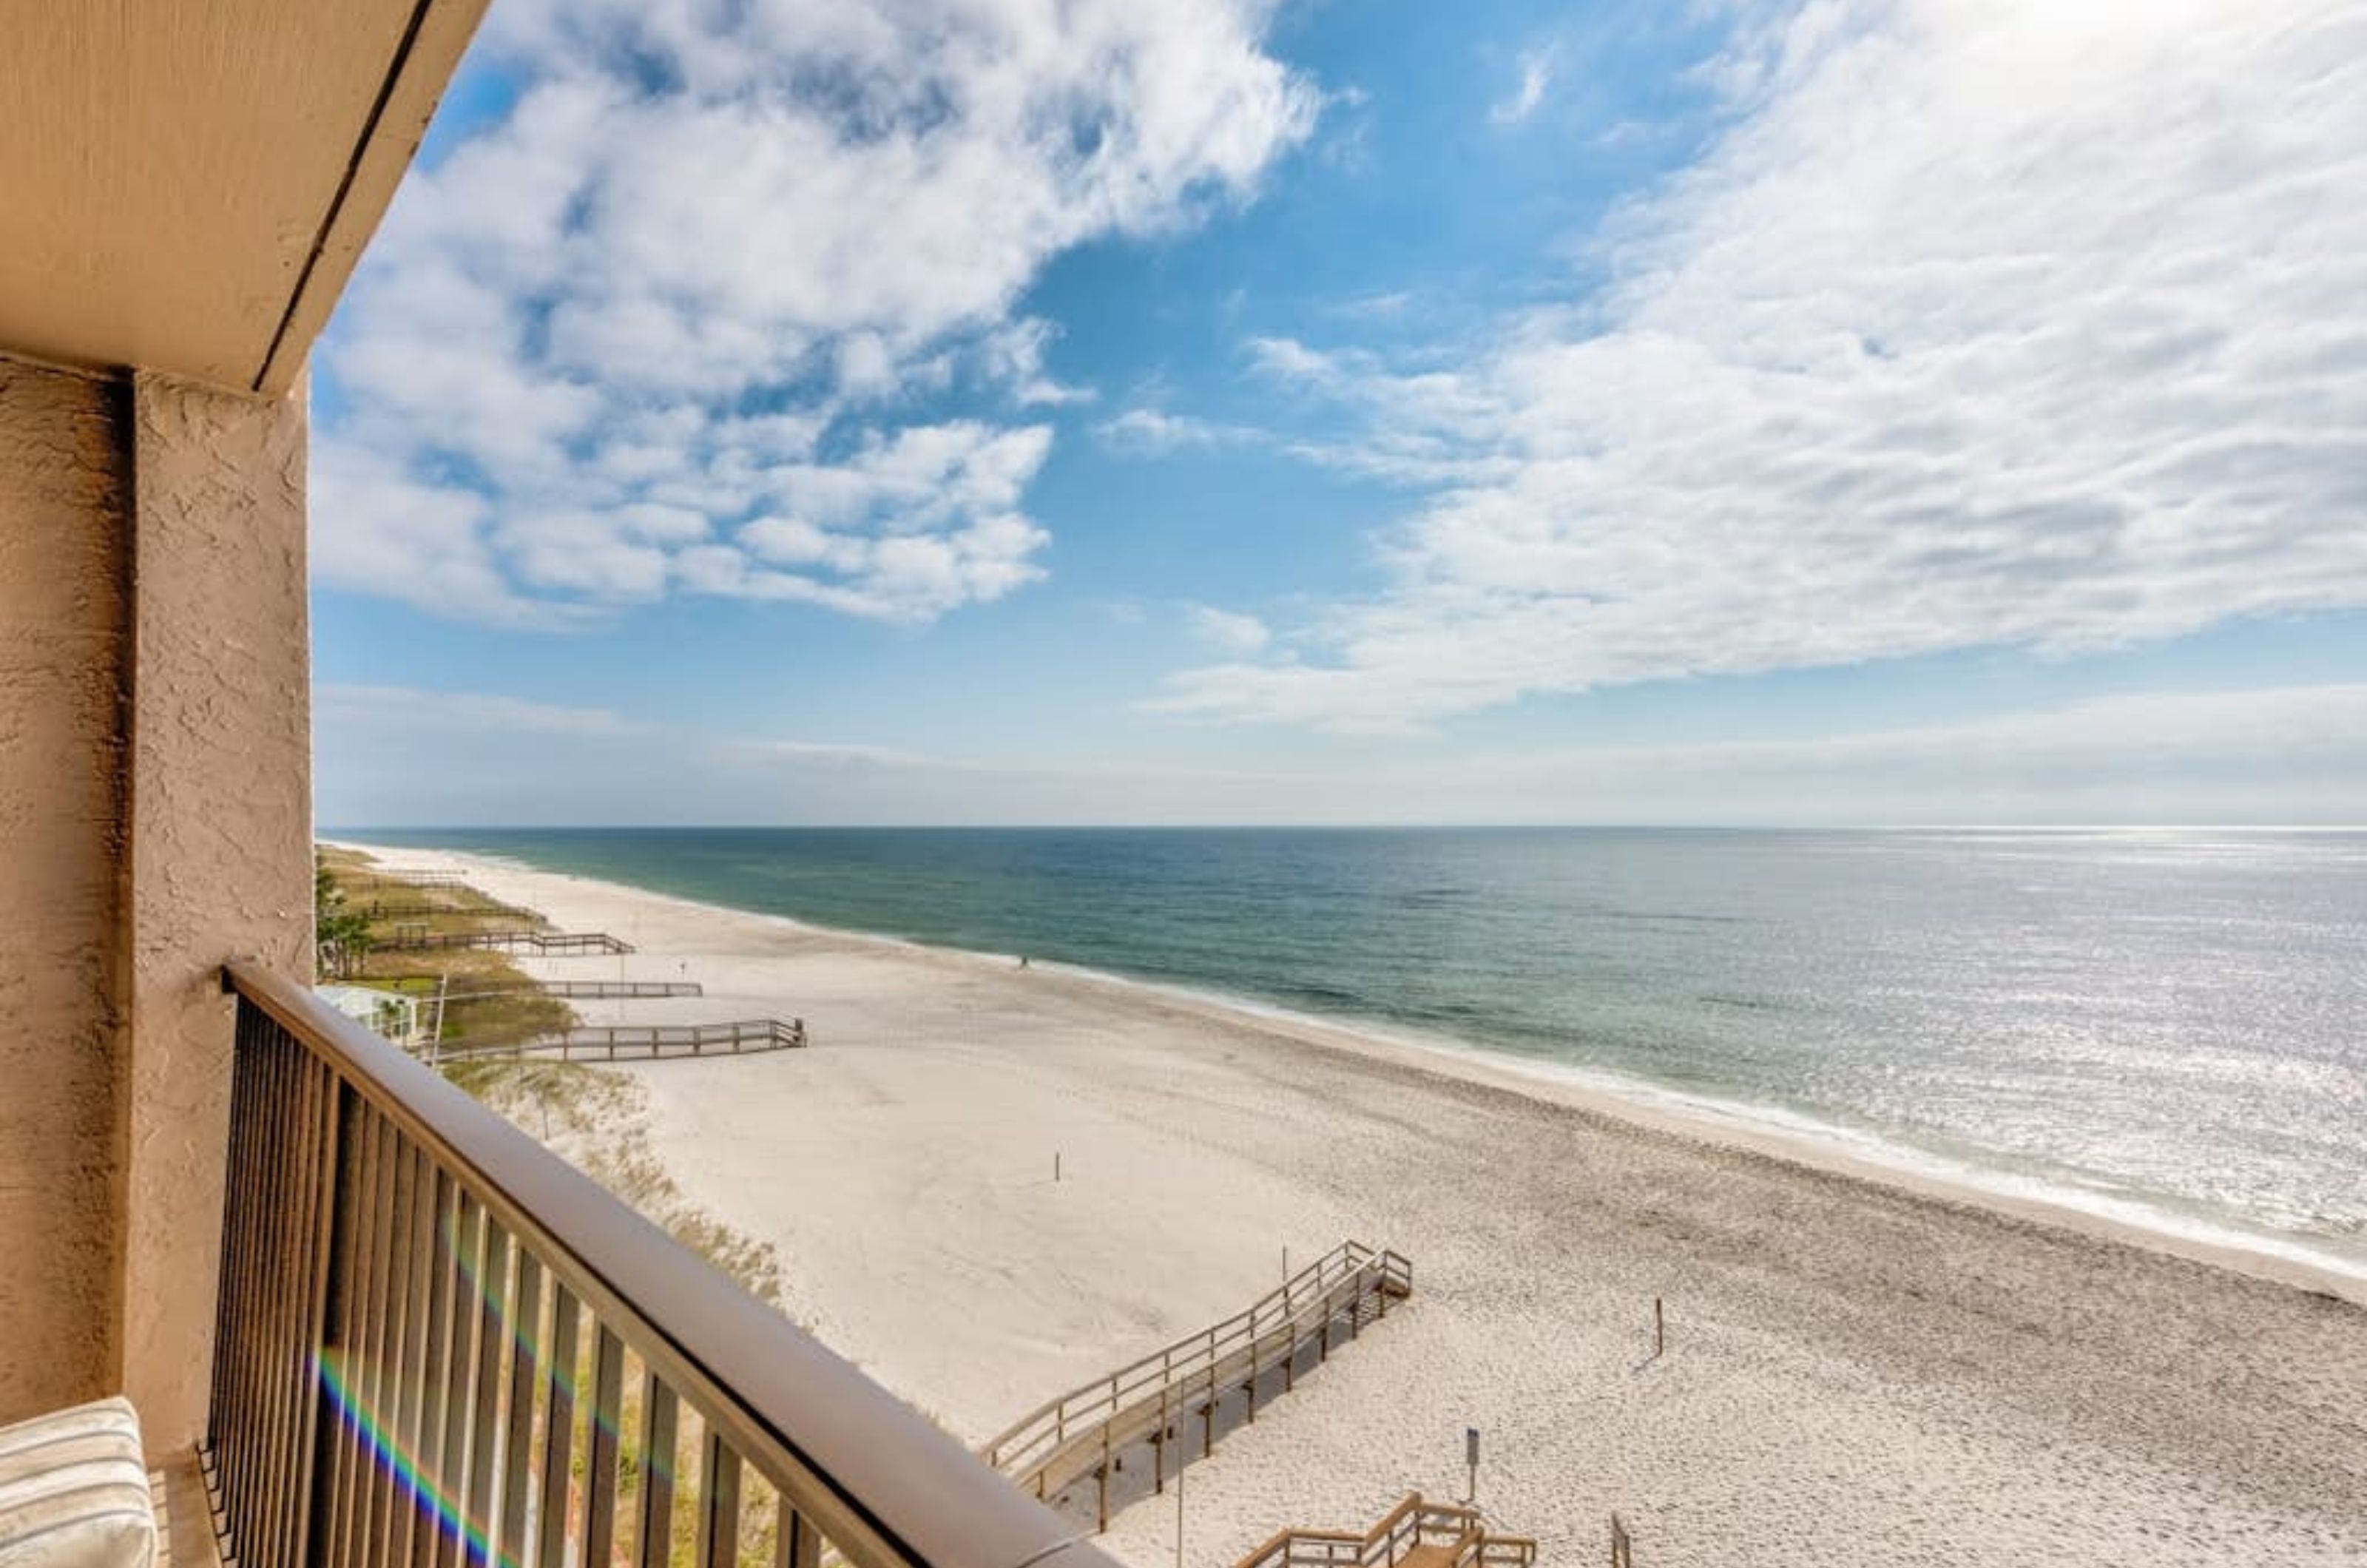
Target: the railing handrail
(1401, 1526)
(1280, 1544)
(540, 940)
(602, 1041)
(1303, 1296)
(614, 990)
(879, 1481)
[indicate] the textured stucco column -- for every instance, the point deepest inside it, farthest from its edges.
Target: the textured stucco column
(219, 834)
(64, 692)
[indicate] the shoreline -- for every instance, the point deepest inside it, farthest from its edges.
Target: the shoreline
(1765, 1132)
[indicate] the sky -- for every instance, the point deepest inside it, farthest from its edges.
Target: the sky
(1798, 413)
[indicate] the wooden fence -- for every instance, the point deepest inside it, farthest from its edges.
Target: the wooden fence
(376, 909)
(545, 943)
(612, 990)
(1081, 1433)
(1457, 1534)
(399, 877)
(649, 1042)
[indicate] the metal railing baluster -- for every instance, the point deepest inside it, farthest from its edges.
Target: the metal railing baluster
(517, 1445)
(600, 1471)
(717, 1545)
(653, 1535)
(553, 1511)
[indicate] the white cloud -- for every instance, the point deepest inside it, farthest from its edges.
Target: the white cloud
(2280, 754)
(2025, 324)
(1538, 66)
(409, 709)
(838, 754)
(711, 260)
(1287, 359)
(1377, 307)
(2119, 734)
(1155, 433)
(2276, 754)
(1229, 630)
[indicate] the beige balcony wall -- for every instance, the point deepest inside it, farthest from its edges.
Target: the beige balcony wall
(64, 490)
(221, 846)
(154, 798)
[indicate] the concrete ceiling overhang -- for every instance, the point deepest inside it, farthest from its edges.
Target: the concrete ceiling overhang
(185, 184)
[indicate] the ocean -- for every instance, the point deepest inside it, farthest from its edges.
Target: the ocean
(2168, 1027)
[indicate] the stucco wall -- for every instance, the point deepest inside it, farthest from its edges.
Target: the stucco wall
(155, 821)
(64, 688)
(221, 832)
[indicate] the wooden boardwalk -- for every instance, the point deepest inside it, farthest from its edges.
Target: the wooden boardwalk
(379, 910)
(1414, 1534)
(406, 878)
(614, 990)
(649, 1042)
(1184, 1396)
(544, 943)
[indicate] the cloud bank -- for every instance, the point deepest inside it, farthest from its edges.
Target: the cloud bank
(671, 323)
(2288, 754)
(1985, 322)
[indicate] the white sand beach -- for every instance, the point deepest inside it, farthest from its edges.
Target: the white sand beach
(1858, 1370)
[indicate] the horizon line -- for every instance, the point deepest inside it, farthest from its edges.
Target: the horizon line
(1404, 826)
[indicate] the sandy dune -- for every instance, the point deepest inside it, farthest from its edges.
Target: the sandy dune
(1858, 1370)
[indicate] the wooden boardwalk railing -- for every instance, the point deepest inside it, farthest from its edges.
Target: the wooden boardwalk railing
(1080, 1433)
(1448, 1535)
(651, 1042)
(614, 990)
(543, 942)
(379, 910)
(400, 876)
(439, 1345)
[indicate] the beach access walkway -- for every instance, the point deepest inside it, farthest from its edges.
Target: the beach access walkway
(380, 910)
(647, 1041)
(1171, 1405)
(1414, 1534)
(543, 943)
(404, 877)
(614, 990)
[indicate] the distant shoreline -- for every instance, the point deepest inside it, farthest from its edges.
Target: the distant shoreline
(1730, 1124)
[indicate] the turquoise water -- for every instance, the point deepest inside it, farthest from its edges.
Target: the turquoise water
(2167, 1025)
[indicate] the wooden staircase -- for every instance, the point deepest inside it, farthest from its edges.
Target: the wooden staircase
(1414, 1534)
(1169, 1406)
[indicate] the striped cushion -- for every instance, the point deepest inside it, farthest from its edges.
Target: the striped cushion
(74, 1491)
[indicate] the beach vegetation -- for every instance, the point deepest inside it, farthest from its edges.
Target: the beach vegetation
(486, 1000)
(341, 933)
(596, 1119)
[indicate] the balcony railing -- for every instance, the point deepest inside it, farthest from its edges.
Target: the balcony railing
(438, 1345)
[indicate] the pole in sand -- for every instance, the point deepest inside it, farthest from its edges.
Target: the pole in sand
(1183, 1463)
(1660, 1330)
(1471, 1459)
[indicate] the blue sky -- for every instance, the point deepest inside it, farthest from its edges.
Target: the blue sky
(996, 410)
